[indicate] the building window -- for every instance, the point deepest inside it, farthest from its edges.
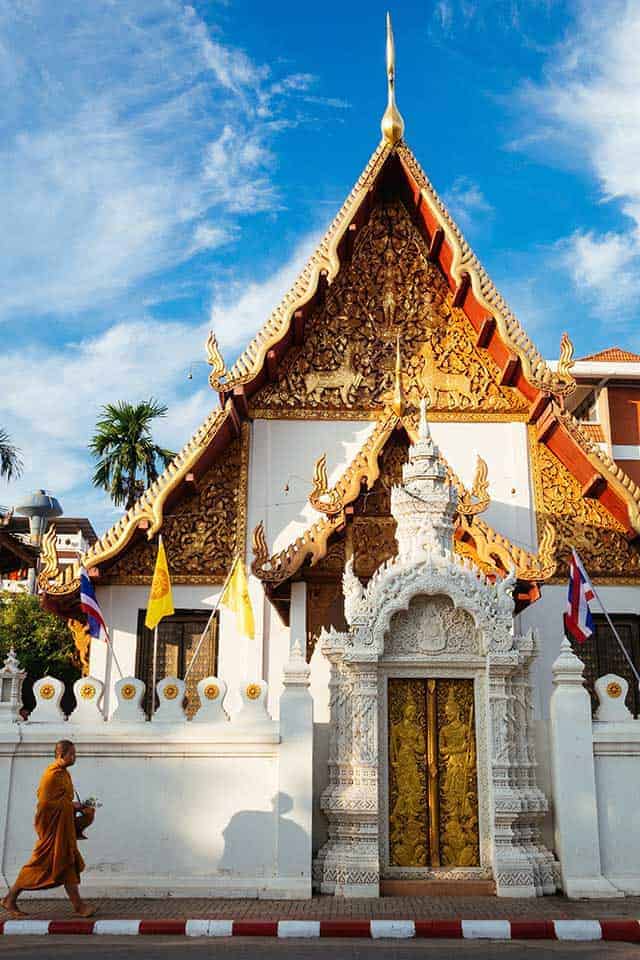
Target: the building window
(601, 654)
(587, 409)
(178, 638)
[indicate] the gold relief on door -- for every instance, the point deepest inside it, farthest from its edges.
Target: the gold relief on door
(433, 794)
(408, 833)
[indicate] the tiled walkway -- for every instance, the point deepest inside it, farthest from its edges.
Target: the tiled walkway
(326, 908)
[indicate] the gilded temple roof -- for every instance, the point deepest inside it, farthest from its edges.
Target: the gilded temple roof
(494, 326)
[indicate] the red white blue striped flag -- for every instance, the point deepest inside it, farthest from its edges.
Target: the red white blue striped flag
(578, 620)
(89, 605)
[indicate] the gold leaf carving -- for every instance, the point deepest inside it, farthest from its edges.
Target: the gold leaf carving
(215, 361)
(475, 501)
(202, 532)
(579, 521)
(408, 814)
(458, 783)
(566, 362)
(387, 299)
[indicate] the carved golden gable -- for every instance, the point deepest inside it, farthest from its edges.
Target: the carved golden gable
(388, 289)
(202, 533)
(580, 521)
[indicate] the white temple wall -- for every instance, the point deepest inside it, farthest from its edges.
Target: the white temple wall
(284, 453)
(202, 807)
(504, 447)
(239, 659)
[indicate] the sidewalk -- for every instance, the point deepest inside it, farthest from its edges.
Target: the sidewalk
(334, 908)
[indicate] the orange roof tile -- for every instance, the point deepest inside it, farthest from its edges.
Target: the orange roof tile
(614, 355)
(594, 431)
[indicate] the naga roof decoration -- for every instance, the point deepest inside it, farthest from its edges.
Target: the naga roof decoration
(496, 328)
(146, 514)
(475, 539)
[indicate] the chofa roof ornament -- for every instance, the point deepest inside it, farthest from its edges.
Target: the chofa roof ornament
(392, 124)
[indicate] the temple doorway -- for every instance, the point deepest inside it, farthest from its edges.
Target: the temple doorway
(432, 790)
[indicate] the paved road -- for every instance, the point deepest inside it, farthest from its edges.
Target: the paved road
(249, 948)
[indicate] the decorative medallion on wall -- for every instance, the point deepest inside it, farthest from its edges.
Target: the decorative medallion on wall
(389, 288)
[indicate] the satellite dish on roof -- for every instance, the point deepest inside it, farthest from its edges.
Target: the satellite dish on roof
(40, 508)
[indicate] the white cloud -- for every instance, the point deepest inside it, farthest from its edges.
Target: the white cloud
(51, 397)
(587, 114)
(239, 309)
(128, 131)
(467, 203)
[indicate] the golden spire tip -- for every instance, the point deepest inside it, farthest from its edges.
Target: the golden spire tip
(392, 123)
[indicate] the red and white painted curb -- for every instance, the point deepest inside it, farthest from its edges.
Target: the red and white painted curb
(627, 930)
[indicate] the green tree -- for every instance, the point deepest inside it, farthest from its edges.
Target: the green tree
(127, 457)
(42, 641)
(10, 459)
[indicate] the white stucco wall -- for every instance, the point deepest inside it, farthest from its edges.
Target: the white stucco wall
(284, 454)
(239, 658)
(189, 809)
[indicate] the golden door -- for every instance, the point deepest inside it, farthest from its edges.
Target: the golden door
(433, 787)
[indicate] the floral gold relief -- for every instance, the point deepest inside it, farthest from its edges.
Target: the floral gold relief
(202, 532)
(433, 793)
(408, 815)
(388, 293)
(458, 789)
(580, 522)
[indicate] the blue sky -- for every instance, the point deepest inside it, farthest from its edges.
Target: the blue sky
(168, 166)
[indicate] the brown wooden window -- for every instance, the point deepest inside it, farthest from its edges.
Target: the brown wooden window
(178, 638)
(601, 654)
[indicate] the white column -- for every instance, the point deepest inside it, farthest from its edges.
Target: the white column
(294, 802)
(575, 809)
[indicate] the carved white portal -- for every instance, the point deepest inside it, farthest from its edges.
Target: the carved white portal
(426, 613)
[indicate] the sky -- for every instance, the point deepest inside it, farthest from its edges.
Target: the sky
(166, 167)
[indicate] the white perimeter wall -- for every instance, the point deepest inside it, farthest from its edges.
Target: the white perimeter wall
(189, 809)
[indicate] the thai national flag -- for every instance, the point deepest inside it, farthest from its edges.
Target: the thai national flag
(578, 620)
(90, 606)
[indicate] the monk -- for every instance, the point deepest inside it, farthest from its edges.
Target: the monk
(55, 860)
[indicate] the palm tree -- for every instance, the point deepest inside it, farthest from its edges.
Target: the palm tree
(10, 459)
(124, 448)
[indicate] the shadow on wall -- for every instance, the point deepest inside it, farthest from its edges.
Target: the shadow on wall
(253, 839)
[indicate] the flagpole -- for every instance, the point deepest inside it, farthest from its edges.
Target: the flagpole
(211, 616)
(114, 658)
(616, 635)
(153, 672)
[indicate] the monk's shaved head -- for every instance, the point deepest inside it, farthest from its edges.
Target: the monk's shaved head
(63, 747)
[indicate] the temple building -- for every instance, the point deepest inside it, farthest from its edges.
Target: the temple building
(404, 476)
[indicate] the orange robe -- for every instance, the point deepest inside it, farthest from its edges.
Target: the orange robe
(55, 859)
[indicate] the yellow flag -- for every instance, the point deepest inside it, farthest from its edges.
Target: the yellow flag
(236, 598)
(160, 600)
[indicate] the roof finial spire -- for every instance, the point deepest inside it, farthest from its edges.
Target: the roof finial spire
(397, 404)
(392, 122)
